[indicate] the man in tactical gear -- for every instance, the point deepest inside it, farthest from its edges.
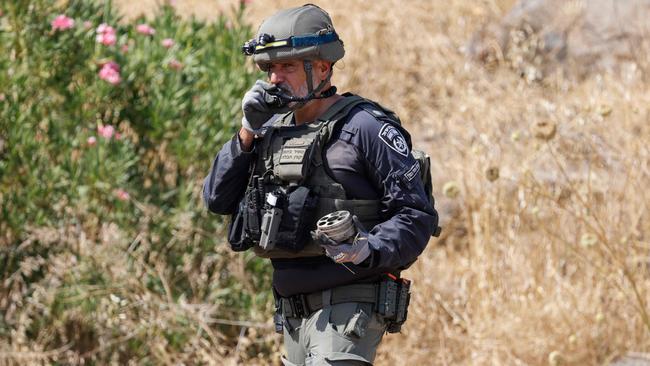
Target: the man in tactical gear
(304, 152)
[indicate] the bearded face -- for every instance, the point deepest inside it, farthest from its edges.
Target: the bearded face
(291, 78)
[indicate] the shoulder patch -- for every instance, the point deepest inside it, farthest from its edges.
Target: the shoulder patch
(394, 139)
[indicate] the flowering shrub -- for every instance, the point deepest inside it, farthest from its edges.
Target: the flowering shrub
(110, 72)
(107, 129)
(62, 22)
(145, 29)
(106, 35)
(167, 43)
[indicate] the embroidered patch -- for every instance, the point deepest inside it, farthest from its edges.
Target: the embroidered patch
(394, 139)
(412, 172)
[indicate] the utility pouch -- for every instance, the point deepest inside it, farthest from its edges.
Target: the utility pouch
(298, 218)
(252, 209)
(393, 299)
(244, 227)
(271, 219)
(237, 237)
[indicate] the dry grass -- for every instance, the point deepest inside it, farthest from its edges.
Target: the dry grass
(548, 263)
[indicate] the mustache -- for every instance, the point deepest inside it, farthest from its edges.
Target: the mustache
(285, 89)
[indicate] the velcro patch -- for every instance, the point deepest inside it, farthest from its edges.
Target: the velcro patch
(412, 172)
(394, 139)
(292, 155)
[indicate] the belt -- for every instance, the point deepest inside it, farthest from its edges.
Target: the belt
(303, 305)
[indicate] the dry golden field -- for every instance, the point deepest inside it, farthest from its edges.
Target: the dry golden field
(542, 188)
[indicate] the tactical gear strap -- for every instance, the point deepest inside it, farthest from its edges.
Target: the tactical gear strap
(390, 298)
(342, 105)
(310, 83)
(303, 305)
(311, 92)
(337, 112)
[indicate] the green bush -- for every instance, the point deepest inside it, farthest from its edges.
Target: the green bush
(106, 249)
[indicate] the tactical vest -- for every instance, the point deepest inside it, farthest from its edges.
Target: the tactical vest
(290, 188)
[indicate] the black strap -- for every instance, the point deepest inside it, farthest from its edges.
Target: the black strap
(303, 305)
(387, 116)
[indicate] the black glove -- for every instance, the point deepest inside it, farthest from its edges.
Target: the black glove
(356, 251)
(256, 109)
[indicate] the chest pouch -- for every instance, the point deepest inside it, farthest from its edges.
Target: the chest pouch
(238, 237)
(244, 228)
(291, 164)
(298, 219)
(286, 220)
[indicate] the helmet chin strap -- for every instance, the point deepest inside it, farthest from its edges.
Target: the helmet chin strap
(311, 92)
(278, 98)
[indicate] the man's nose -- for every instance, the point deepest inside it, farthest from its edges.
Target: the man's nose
(275, 77)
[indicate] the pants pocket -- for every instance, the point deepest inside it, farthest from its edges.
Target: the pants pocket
(345, 335)
(286, 362)
(351, 320)
(357, 324)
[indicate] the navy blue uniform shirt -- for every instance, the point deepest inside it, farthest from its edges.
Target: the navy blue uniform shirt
(370, 159)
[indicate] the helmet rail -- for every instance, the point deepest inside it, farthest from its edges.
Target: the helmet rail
(266, 41)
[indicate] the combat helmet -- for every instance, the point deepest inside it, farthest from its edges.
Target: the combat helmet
(304, 32)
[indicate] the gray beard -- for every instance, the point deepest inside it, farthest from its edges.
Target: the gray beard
(293, 106)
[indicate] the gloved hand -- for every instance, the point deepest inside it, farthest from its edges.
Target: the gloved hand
(355, 252)
(256, 109)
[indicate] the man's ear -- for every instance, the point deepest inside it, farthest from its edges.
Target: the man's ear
(324, 67)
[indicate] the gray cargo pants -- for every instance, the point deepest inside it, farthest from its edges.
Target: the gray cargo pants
(342, 334)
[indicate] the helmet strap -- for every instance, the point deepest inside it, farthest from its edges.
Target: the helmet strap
(299, 102)
(308, 70)
(311, 92)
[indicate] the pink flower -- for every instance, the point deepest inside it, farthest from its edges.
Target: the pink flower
(107, 39)
(62, 22)
(121, 194)
(174, 64)
(124, 48)
(145, 29)
(167, 43)
(106, 35)
(110, 72)
(88, 24)
(106, 131)
(103, 28)
(112, 65)
(92, 140)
